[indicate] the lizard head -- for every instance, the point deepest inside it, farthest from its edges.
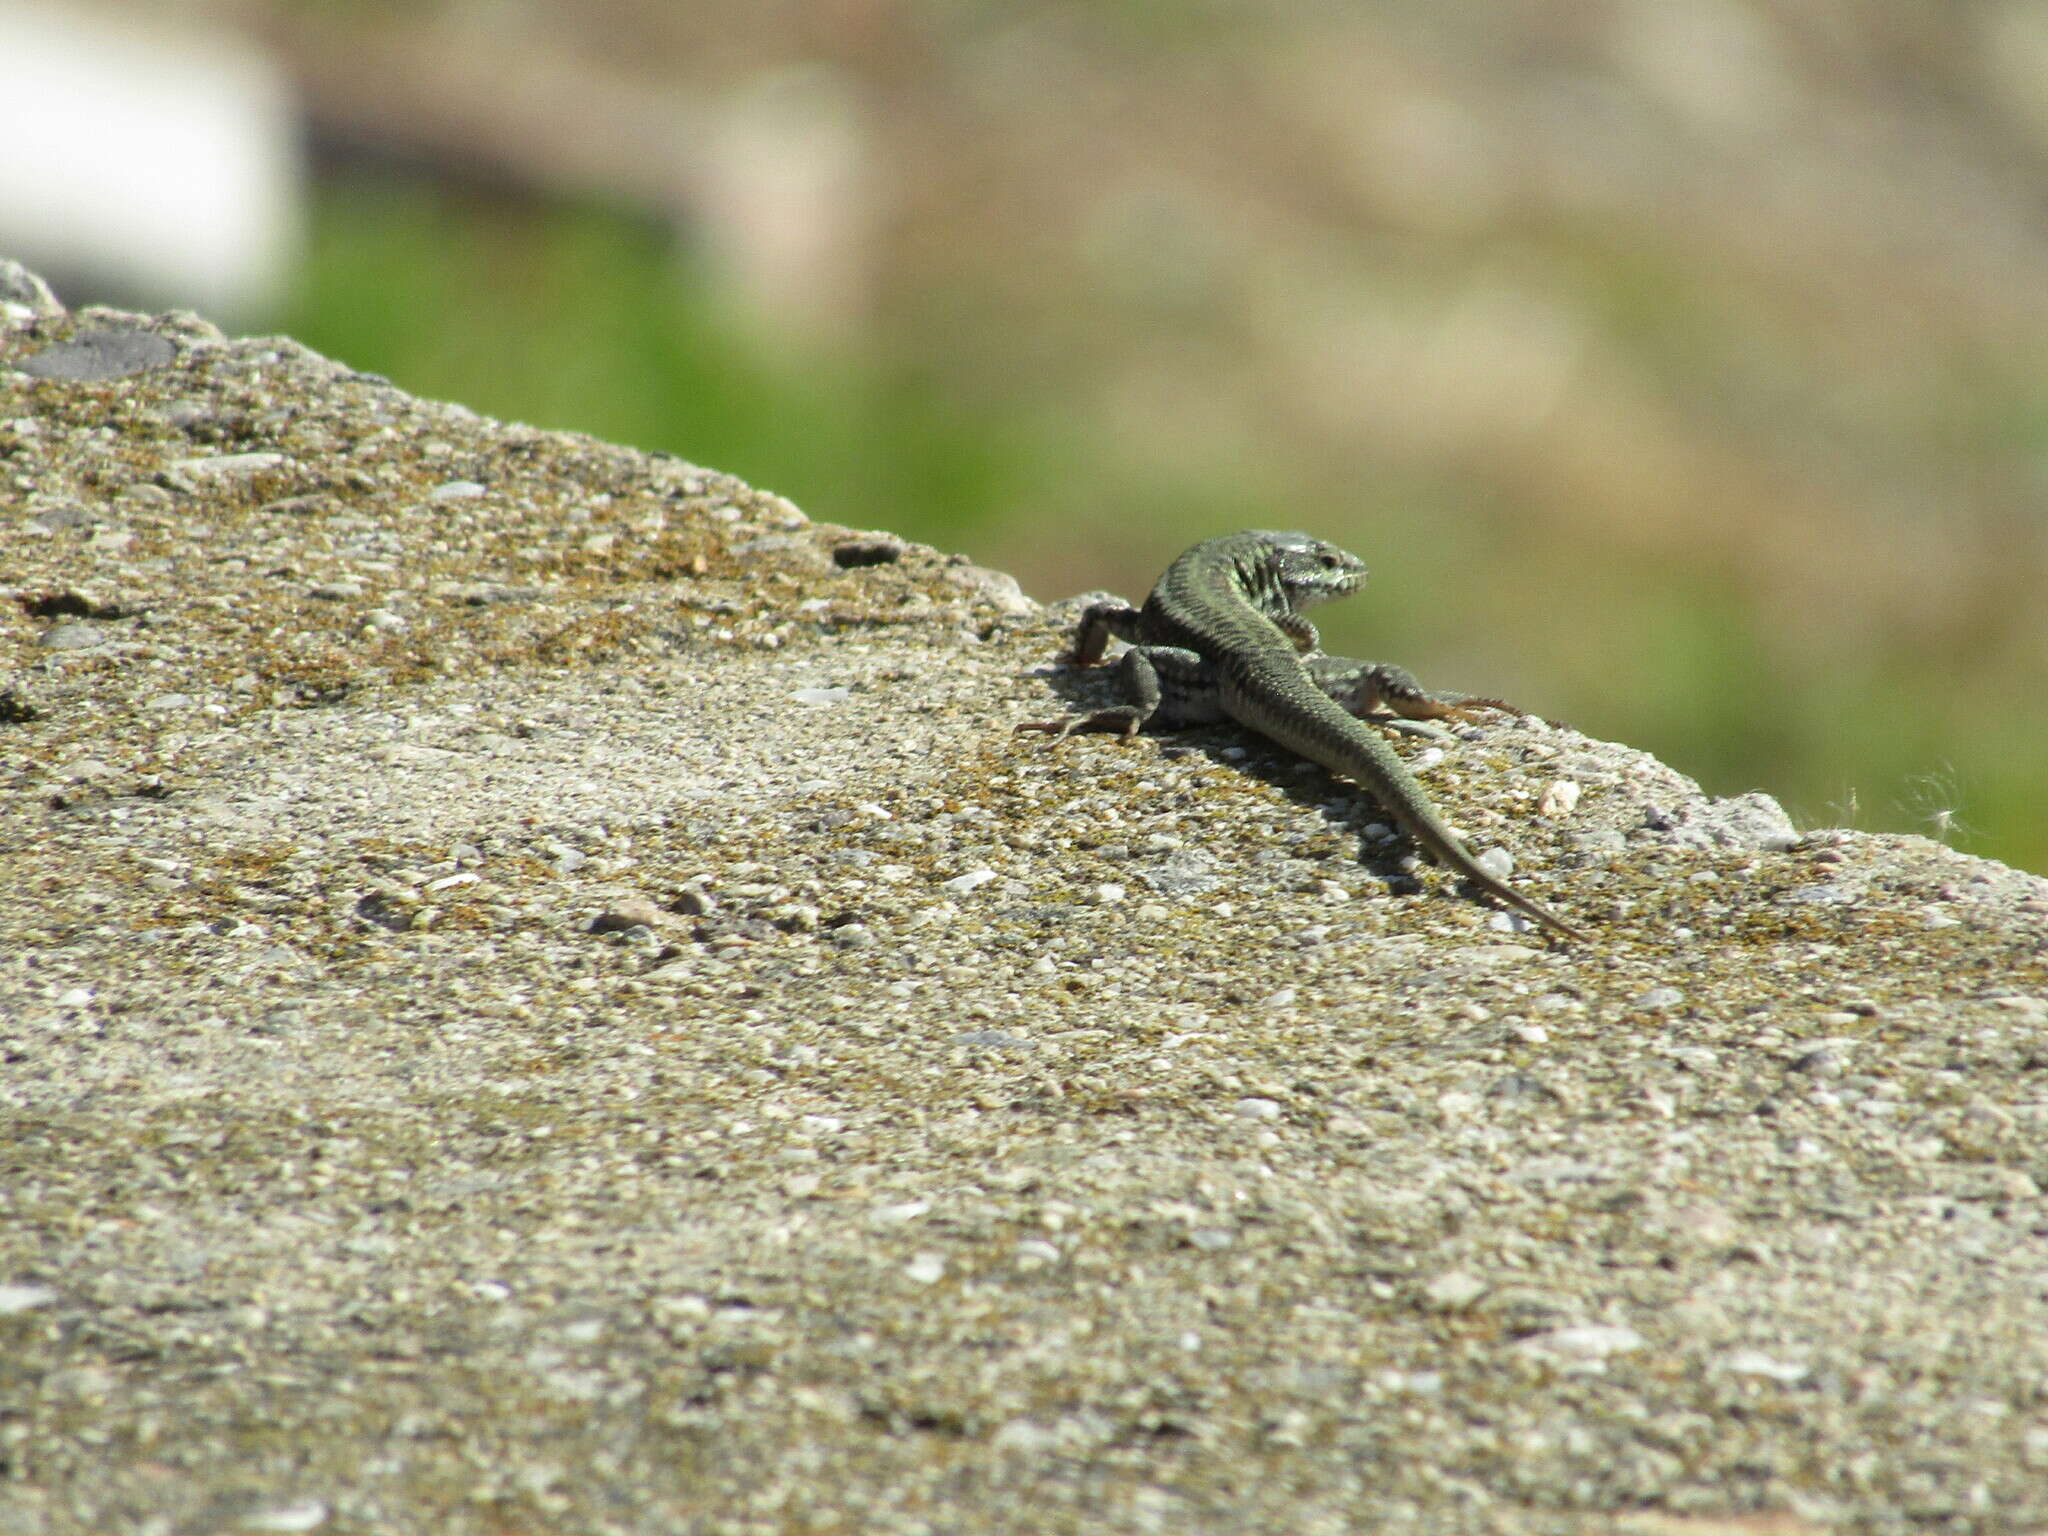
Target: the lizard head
(1307, 569)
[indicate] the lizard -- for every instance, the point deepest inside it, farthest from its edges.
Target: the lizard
(1222, 637)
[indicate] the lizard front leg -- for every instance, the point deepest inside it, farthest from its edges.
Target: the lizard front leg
(1102, 621)
(1299, 631)
(1167, 683)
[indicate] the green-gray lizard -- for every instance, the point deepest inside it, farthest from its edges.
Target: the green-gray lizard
(1222, 637)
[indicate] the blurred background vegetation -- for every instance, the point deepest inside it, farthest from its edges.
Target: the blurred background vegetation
(1677, 364)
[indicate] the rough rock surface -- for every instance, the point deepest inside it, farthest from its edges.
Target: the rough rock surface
(538, 992)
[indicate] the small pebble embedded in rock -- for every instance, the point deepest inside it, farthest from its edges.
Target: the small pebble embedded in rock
(71, 637)
(65, 515)
(95, 356)
(199, 472)
(1453, 1290)
(24, 1298)
(632, 912)
(307, 1515)
(1590, 1341)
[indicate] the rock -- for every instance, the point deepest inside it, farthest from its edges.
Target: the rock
(354, 1182)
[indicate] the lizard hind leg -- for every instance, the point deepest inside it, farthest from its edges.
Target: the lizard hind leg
(1139, 681)
(1379, 688)
(1164, 684)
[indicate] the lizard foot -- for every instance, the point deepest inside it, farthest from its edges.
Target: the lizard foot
(1124, 722)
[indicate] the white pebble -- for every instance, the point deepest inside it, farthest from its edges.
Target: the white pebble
(1453, 1290)
(307, 1515)
(24, 1298)
(1754, 1362)
(1587, 1341)
(900, 1214)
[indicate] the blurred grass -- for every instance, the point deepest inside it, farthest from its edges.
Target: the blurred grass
(576, 317)
(582, 318)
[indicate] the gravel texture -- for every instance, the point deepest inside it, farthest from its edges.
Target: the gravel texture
(539, 992)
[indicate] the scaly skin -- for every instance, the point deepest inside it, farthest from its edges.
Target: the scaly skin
(1222, 637)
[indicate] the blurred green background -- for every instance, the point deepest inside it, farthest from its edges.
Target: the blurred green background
(1677, 367)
